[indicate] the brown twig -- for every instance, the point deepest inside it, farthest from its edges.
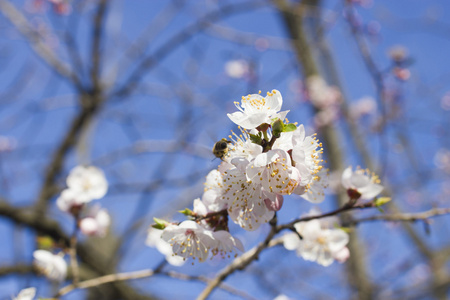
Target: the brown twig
(404, 217)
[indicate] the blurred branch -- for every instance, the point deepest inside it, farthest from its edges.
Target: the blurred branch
(16, 269)
(73, 254)
(181, 37)
(143, 274)
(35, 40)
(56, 164)
(247, 38)
(404, 217)
(294, 18)
(97, 34)
(92, 259)
(239, 263)
(161, 20)
(105, 279)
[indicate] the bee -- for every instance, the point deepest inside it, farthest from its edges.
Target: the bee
(220, 148)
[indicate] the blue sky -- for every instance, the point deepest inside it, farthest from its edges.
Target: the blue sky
(191, 81)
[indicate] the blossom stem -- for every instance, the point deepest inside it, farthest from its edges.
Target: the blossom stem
(269, 145)
(73, 253)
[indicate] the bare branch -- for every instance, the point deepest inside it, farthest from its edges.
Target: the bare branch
(105, 279)
(98, 21)
(404, 217)
(238, 264)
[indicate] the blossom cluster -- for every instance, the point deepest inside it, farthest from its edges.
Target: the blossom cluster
(270, 159)
(321, 241)
(84, 184)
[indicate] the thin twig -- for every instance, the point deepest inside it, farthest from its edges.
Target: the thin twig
(404, 217)
(105, 279)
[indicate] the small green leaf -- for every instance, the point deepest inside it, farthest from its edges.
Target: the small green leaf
(346, 229)
(160, 223)
(382, 201)
(256, 139)
(380, 209)
(45, 242)
(277, 128)
(289, 127)
(186, 212)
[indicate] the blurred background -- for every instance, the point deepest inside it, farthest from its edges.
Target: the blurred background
(141, 90)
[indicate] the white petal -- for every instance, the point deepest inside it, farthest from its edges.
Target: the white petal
(370, 191)
(26, 294)
(346, 175)
(274, 100)
(337, 239)
(291, 241)
(324, 258)
(342, 255)
(89, 226)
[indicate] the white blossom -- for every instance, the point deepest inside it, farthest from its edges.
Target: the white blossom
(26, 294)
(307, 159)
(319, 243)
(213, 193)
(321, 94)
(84, 185)
(95, 221)
(362, 181)
(315, 191)
(246, 205)
(274, 171)
(282, 297)
(237, 68)
(189, 240)
(242, 146)
(71, 199)
(51, 265)
(154, 240)
(255, 110)
(225, 244)
(89, 181)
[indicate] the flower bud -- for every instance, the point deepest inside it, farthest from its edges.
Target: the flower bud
(277, 128)
(160, 223)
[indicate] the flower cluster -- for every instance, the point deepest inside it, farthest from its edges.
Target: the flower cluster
(320, 242)
(86, 183)
(270, 159)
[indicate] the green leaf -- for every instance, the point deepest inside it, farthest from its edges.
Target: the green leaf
(277, 128)
(346, 229)
(160, 223)
(186, 212)
(256, 139)
(45, 242)
(289, 127)
(382, 201)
